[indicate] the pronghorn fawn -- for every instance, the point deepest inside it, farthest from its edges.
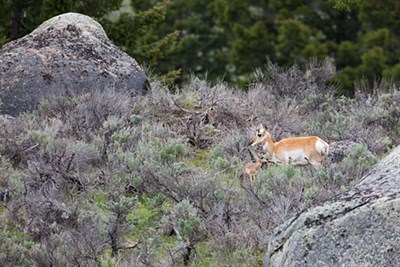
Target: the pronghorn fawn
(252, 168)
(300, 151)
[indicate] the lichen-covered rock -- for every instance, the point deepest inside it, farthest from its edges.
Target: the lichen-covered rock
(359, 228)
(68, 52)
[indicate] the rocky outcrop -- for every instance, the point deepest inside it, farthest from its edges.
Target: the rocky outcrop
(68, 52)
(358, 228)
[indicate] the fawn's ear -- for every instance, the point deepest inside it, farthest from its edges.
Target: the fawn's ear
(265, 127)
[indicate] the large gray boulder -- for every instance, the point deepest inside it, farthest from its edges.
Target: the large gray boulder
(358, 228)
(68, 52)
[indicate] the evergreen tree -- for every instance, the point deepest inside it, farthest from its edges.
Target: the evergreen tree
(5, 21)
(202, 47)
(20, 17)
(135, 33)
(293, 37)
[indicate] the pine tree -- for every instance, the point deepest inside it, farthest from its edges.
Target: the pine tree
(20, 17)
(135, 33)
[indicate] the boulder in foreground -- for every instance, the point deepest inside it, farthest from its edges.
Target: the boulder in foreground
(359, 228)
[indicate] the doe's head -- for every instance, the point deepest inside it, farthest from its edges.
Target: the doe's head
(261, 132)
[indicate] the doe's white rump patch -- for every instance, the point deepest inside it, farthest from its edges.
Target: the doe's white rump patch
(322, 147)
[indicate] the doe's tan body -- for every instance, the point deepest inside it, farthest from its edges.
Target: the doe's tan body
(300, 151)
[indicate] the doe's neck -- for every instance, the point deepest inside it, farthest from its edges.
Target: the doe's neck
(268, 144)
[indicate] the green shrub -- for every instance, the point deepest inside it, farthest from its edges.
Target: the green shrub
(172, 150)
(14, 248)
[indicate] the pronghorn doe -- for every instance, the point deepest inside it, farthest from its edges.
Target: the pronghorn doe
(252, 168)
(300, 151)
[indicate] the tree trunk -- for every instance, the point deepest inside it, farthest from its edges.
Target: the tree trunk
(17, 13)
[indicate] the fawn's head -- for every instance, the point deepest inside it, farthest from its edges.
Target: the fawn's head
(261, 159)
